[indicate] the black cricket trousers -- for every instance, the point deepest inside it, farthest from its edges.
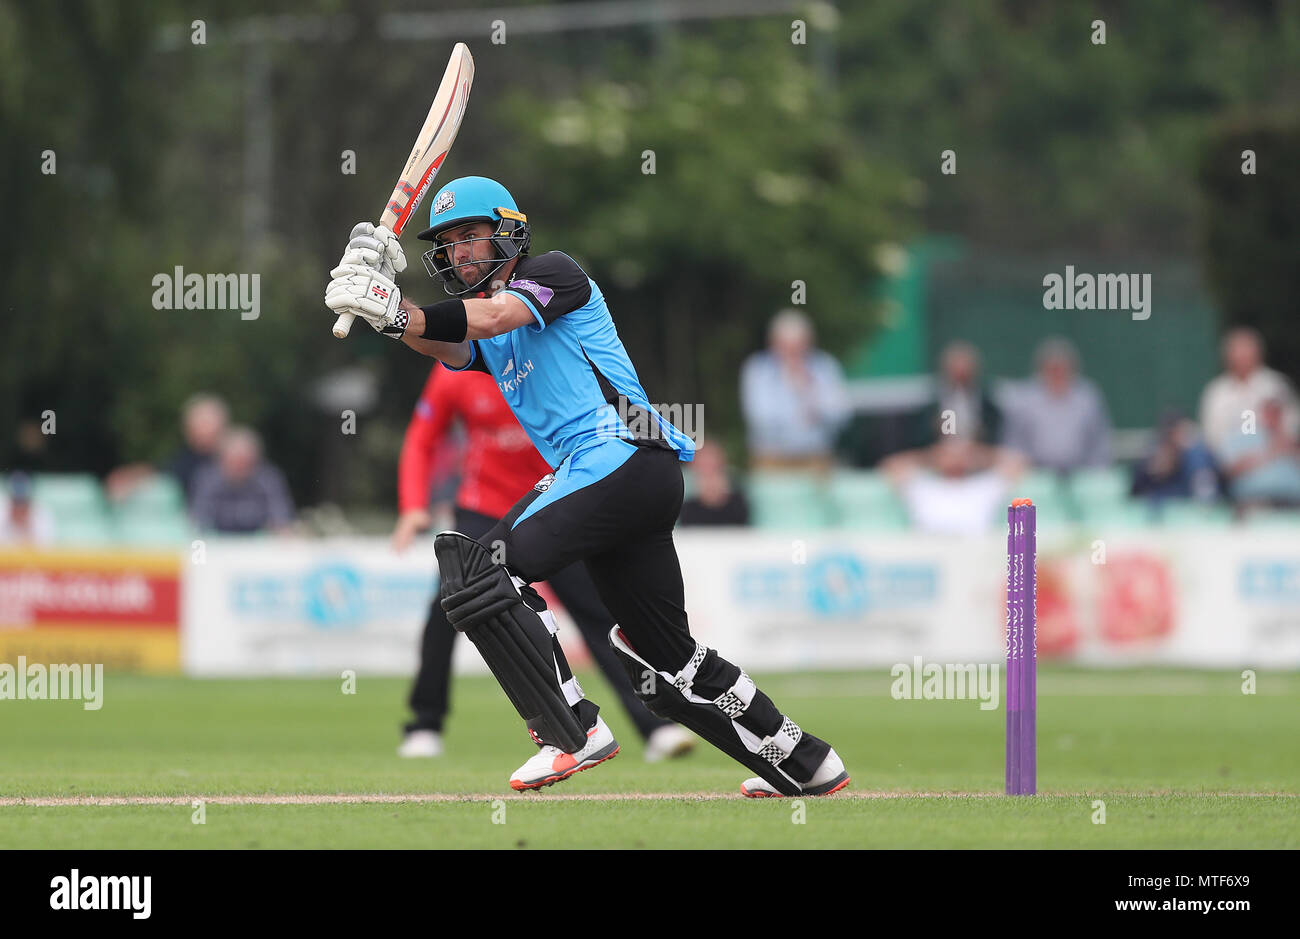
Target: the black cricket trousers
(621, 526)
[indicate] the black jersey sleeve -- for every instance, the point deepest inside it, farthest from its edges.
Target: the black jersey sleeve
(551, 285)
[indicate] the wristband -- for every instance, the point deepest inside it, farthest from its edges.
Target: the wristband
(445, 321)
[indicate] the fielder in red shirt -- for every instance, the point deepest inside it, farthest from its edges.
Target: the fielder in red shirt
(500, 465)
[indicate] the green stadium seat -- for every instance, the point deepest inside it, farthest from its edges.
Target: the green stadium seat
(788, 500)
(1122, 513)
(865, 499)
(158, 493)
(1109, 484)
(161, 531)
(84, 530)
(67, 494)
(1182, 513)
(1102, 494)
(1052, 498)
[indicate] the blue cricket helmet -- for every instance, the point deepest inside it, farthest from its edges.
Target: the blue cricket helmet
(473, 199)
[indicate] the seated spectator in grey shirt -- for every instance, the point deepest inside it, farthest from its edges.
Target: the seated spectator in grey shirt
(793, 398)
(1059, 420)
(240, 493)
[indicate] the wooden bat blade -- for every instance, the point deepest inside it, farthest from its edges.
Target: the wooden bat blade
(434, 142)
(429, 152)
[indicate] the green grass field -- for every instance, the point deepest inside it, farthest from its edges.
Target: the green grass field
(1181, 759)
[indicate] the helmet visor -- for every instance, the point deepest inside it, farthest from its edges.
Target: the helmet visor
(439, 261)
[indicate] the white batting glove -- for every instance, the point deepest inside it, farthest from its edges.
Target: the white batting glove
(378, 247)
(363, 291)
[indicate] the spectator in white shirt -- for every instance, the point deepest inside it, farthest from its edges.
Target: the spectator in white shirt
(955, 486)
(793, 398)
(1231, 402)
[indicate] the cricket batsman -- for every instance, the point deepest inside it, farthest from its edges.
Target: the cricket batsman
(500, 465)
(545, 335)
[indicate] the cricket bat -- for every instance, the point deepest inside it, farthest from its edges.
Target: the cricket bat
(430, 150)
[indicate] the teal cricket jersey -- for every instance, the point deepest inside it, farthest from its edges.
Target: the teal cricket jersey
(567, 377)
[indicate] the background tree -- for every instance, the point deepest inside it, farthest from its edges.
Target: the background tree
(1252, 233)
(758, 182)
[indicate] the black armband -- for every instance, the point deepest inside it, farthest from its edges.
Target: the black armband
(445, 321)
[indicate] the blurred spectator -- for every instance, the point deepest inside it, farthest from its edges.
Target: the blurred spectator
(955, 486)
(959, 389)
(793, 398)
(240, 492)
(33, 448)
(22, 522)
(1059, 421)
(1179, 466)
(1244, 385)
(716, 500)
(204, 419)
(1263, 468)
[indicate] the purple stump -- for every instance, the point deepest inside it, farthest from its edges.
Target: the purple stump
(1022, 650)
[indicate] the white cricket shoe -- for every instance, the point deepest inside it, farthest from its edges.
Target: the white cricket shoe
(421, 743)
(551, 764)
(668, 741)
(830, 777)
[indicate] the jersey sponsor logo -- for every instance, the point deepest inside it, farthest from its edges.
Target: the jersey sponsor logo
(545, 482)
(522, 371)
(445, 201)
(510, 367)
(544, 295)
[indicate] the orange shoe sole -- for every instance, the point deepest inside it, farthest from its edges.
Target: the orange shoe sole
(552, 780)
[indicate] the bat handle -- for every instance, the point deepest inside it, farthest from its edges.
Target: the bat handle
(343, 325)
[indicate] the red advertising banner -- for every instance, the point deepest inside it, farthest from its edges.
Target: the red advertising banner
(121, 608)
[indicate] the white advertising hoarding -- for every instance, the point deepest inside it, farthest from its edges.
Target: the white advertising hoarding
(772, 602)
(272, 607)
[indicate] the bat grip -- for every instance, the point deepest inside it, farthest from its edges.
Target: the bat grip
(343, 325)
